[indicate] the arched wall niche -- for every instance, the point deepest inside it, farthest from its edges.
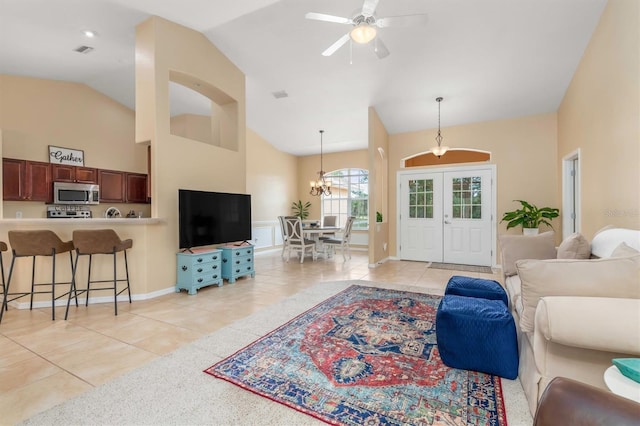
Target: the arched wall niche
(452, 156)
(202, 112)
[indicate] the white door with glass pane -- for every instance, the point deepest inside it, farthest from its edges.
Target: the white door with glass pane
(446, 216)
(421, 216)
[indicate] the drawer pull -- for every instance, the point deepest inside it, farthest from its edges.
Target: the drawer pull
(248, 268)
(199, 260)
(237, 262)
(237, 271)
(237, 253)
(215, 257)
(215, 276)
(199, 280)
(184, 267)
(199, 269)
(215, 266)
(224, 260)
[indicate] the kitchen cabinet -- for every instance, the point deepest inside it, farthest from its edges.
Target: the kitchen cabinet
(136, 188)
(13, 179)
(112, 186)
(26, 180)
(77, 174)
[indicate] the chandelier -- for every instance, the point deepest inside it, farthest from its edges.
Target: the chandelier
(320, 186)
(439, 150)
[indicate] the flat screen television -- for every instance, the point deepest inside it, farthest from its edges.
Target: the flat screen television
(207, 218)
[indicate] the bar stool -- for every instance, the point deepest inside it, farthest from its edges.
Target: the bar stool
(3, 247)
(100, 241)
(33, 244)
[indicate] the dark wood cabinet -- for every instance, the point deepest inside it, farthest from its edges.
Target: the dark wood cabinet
(136, 188)
(13, 179)
(38, 179)
(66, 173)
(112, 186)
(86, 175)
(26, 180)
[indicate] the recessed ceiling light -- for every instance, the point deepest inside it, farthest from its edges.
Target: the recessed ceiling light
(89, 33)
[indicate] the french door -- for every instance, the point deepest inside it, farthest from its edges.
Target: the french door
(447, 216)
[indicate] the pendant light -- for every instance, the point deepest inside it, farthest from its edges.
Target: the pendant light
(320, 186)
(439, 150)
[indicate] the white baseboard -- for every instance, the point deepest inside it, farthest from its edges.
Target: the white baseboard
(93, 300)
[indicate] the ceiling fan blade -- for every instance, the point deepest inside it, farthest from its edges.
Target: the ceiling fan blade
(380, 49)
(402, 21)
(328, 18)
(337, 45)
(369, 7)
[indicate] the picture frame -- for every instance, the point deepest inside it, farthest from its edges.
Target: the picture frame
(68, 156)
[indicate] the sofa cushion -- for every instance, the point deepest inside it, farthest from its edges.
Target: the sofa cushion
(610, 277)
(575, 246)
(512, 285)
(516, 247)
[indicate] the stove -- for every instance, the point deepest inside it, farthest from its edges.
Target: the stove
(67, 212)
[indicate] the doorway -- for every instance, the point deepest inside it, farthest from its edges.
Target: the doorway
(446, 215)
(571, 194)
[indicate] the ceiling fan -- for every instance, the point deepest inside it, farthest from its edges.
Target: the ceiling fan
(364, 25)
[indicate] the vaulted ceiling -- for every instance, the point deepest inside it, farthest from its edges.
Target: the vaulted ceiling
(489, 59)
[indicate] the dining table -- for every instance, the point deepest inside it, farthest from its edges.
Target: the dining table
(314, 233)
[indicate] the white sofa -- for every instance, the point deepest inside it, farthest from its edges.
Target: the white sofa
(573, 315)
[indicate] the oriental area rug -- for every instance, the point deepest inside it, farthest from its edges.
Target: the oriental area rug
(366, 356)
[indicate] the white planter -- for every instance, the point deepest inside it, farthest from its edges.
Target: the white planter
(530, 231)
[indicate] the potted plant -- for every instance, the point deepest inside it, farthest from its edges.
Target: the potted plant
(530, 217)
(301, 209)
(378, 217)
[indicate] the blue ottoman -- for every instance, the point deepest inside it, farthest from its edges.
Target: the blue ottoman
(477, 334)
(476, 287)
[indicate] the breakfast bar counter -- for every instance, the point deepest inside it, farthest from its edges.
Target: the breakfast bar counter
(144, 258)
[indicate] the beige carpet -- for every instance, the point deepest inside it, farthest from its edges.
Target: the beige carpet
(173, 390)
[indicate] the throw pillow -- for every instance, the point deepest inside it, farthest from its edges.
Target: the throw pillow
(575, 246)
(516, 247)
(610, 277)
(624, 250)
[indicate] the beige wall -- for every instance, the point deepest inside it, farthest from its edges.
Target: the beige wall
(271, 179)
(35, 113)
(163, 47)
(378, 188)
(523, 149)
(308, 170)
(600, 115)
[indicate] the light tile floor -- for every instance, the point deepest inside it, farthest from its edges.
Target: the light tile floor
(45, 362)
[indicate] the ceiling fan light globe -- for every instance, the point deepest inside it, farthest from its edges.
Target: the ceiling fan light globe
(363, 33)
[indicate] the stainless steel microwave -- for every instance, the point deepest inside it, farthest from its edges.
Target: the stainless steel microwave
(75, 193)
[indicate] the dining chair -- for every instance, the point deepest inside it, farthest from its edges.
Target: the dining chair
(283, 231)
(344, 242)
(326, 222)
(295, 239)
